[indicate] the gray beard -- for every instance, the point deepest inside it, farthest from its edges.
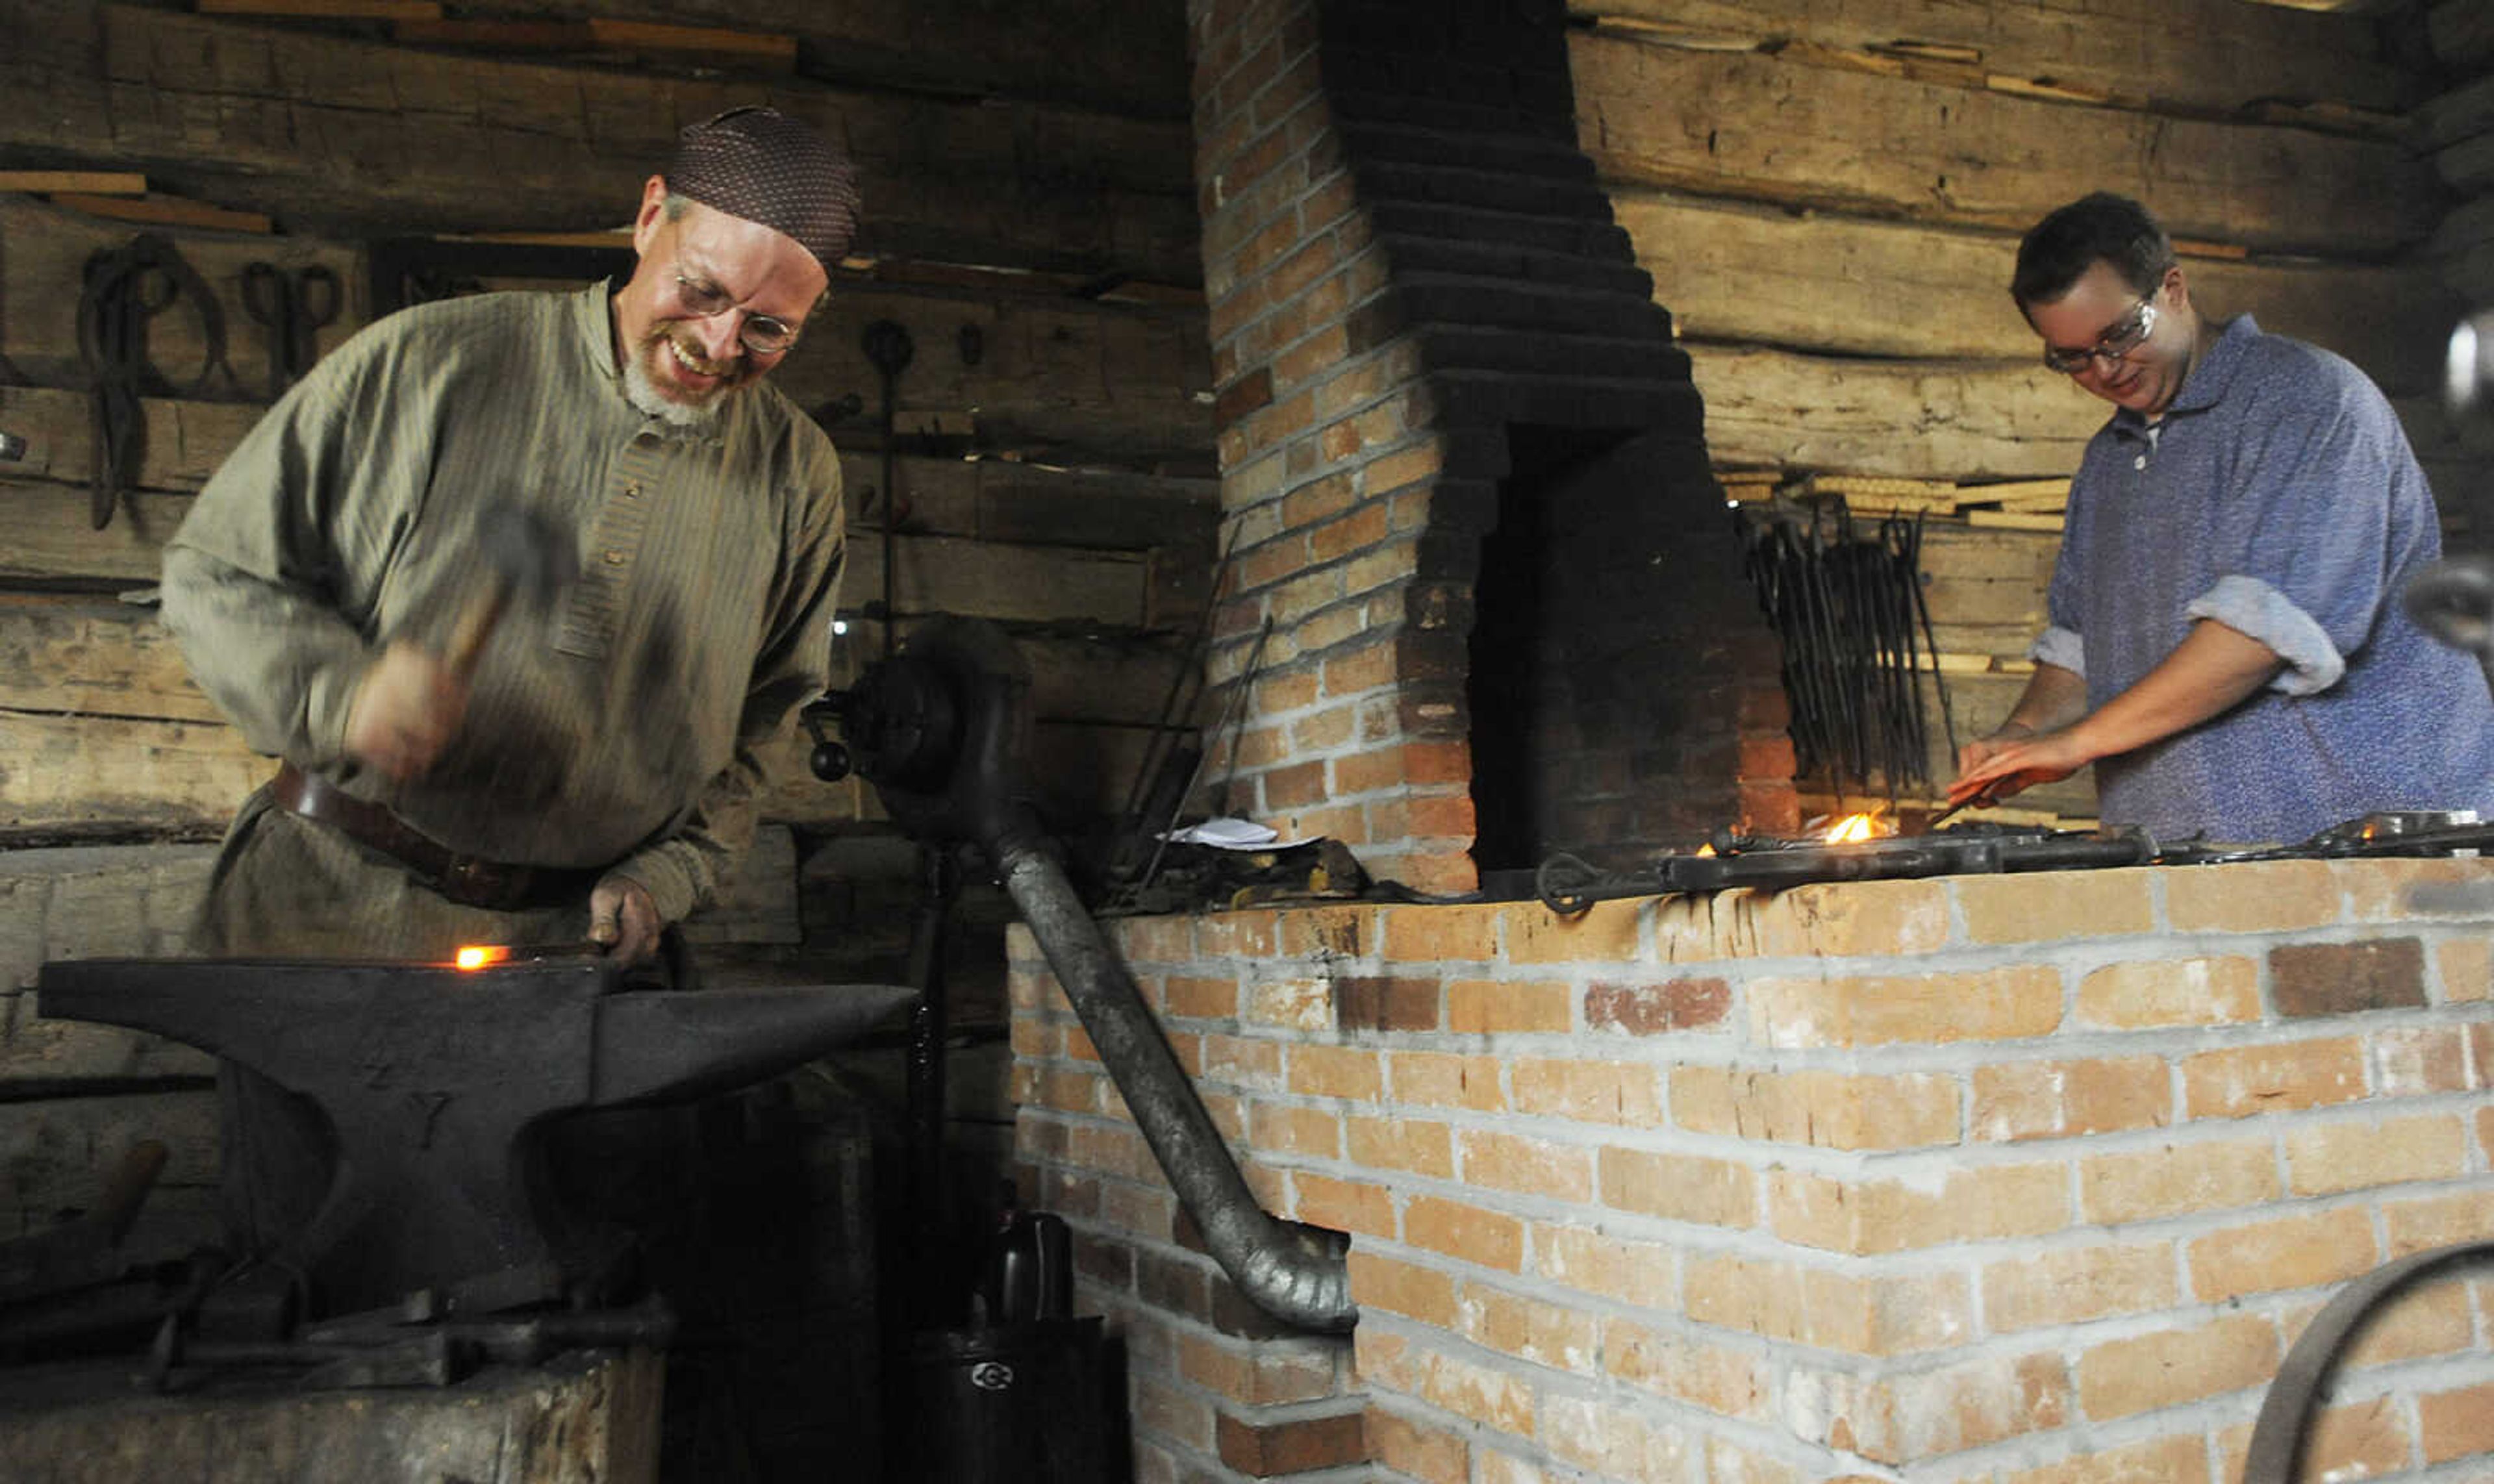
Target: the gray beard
(644, 394)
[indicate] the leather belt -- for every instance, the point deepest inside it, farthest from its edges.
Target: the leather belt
(470, 881)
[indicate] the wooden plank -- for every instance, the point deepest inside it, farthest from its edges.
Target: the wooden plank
(1961, 551)
(2017, 601)
(1861, 287)
(1075, 379)
(50, 537)
(999, 500)
(2209, 56)
(1110, 383)
(166, 211)
(2018, 492)
(751, 49)
(327, 132)
(327, 10)
(1124, 56)
(85, 773)
(43, 249)
(943, 574)
(91, 182)
(182, 445)
(1753, 126)
(93, 657)
(1980, 664)
(1952, 420)
(1072, 380)
(1903, 418)
(2013, 519)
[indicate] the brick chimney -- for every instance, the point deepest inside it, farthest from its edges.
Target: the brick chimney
(1484, 589)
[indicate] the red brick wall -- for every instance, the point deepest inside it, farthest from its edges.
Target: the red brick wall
(2015, 1180)
(1406, 257)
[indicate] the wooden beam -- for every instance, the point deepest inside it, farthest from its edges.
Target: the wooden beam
(53, 540)
(1757, 128)
(93, 657)
(1111, 383)
(2013, 519)
(89, 182)
(1960, 421)
(166, 211)
(43, 250)
(1116, 384)
(748, 49)
(751, 48)
(2213, 57)
(1899, 418)
(327, 10)
(328, 134)
(181, 446)
(74, 773)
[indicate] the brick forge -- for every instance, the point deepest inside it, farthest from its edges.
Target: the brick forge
(1483, 590)
(2019, 1179)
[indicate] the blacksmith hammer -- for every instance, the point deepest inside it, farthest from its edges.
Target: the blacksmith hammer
(527, 558)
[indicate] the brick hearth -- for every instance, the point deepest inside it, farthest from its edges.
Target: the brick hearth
(1483, 587)
(2013, 1178)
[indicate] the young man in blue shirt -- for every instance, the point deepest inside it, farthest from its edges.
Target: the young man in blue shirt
(2226, 642)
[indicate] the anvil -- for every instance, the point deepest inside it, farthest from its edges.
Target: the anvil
(438, 1083)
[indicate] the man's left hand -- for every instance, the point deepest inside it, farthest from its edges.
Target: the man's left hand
(623, 920)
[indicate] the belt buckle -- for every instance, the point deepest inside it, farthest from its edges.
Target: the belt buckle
(474, 883)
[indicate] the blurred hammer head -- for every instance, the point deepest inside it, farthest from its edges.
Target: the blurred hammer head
(528, 558)
(527, 552)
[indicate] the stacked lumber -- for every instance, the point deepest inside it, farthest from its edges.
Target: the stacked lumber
(2015, 505)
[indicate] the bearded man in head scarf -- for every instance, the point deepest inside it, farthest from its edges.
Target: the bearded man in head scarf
(590, 771)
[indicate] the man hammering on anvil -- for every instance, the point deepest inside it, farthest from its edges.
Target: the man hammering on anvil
(461, 765)
(594, 772)
(2226, 641)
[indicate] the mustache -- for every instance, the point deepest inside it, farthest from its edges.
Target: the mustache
(735, 369)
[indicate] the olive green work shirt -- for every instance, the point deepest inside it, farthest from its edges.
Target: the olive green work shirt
(619, 726)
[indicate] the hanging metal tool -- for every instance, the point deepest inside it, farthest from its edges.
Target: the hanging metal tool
(122, 290)
(1849, 610)
(888, 349)
(292, 304)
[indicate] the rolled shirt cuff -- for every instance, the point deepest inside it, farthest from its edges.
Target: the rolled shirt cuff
(671, 887)
(2060, 648)
(2253, 608)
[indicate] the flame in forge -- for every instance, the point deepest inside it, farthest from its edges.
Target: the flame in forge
(1854, 827)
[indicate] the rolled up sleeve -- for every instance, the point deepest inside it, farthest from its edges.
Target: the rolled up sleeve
(2258, 611)
(2060, 646)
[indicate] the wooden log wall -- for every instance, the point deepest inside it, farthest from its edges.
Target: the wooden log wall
(1829, 200)
(1030, 220)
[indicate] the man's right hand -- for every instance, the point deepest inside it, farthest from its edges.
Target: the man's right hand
(406, 707)
(1972, 755)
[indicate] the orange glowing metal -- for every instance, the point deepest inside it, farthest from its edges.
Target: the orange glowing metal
(1852, 828)
(475, 956)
